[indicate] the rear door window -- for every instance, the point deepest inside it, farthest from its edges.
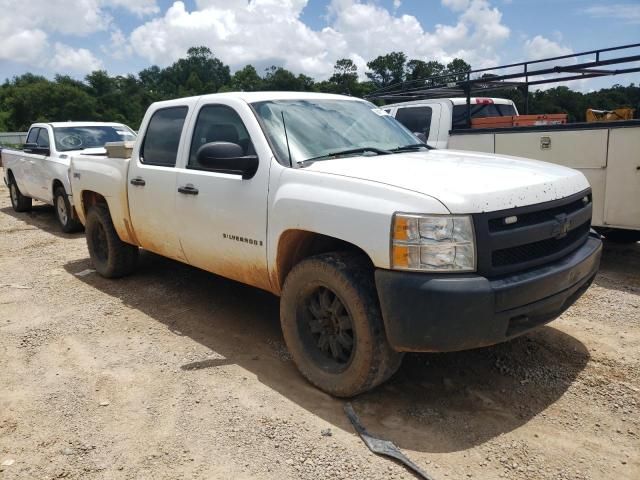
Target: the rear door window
(162, 138)
(416, 119)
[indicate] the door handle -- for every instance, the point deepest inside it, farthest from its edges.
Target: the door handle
(188, 190)
(138, 181)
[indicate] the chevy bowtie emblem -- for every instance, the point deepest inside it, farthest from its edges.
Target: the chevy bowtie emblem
(562, 226)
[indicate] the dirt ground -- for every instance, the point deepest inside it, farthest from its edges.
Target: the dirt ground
(176, 373)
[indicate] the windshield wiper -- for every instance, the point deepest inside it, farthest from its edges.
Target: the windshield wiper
(350, 151)
(413, 146)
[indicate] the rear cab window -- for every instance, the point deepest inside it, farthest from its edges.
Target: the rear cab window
(89, 136)
(416, 119)
(162, 137)
(480, 111)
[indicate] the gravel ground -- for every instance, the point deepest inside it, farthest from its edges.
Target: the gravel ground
(176, 373)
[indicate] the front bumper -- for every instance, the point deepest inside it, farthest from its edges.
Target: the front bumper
(449, 312)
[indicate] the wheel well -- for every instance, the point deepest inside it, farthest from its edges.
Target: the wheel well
(89, 199)
(296, 245)
(10, 174)
(56, 183)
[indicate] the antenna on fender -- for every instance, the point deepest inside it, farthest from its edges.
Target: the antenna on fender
(286, 137)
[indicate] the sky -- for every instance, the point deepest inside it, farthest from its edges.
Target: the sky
(74, 37)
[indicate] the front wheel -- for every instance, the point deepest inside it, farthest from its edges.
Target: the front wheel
(333, 327)
(19, 202)
(111, 257)
(64, 212)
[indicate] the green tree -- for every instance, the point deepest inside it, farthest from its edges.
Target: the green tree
(345, 76)
(387, 69)
(246, 80)
(45, 101)
(457, 68)
(419, 69)
(193, 85)
(212, 73)
(279, 78)
(29, 98)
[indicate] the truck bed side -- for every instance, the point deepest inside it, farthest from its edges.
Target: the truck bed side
(103, 179)
(11, 160)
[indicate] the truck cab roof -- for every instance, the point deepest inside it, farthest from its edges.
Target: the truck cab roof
(253, 97)
(77, 124)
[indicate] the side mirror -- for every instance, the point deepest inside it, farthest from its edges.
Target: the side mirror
(35, 148)
(227, 157)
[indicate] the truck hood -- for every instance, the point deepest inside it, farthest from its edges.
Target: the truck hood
(465, 182)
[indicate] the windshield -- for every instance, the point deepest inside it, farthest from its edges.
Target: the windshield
(479, 111)
(318, 128)
(79, 138)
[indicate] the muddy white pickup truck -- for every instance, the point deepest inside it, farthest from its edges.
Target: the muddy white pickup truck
(40, 170)
(376, 244)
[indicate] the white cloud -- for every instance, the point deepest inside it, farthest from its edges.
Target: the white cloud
(267, 32)
(139, 7)
(12, 46)
(73, 60)
(26, 26)
(540, 47)
(456, 5)
(118, 47)
(623, 12)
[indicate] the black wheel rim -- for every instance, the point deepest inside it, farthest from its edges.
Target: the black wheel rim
(99, 243)
(327, 329)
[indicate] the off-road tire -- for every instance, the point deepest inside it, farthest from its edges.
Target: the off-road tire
(65, 217)
(19, 202)
(350, 277)
(111, 257)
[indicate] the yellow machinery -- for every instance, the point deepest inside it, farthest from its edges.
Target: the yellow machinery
(609, 115)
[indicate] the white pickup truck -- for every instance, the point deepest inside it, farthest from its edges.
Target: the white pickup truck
(376, 244)
(607, 153)
(40, 170)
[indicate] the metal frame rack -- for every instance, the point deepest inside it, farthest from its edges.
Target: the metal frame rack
(519, 75)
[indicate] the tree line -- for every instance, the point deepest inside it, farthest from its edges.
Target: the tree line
(32, 98)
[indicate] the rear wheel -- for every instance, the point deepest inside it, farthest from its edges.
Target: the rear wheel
(19, 202)
(111, 256)
(332, 324)
(64, 211)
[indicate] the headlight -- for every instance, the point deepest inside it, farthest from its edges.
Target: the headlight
(438, 243)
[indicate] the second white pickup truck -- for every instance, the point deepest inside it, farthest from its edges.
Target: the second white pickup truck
(41, 170)
(376, 244)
